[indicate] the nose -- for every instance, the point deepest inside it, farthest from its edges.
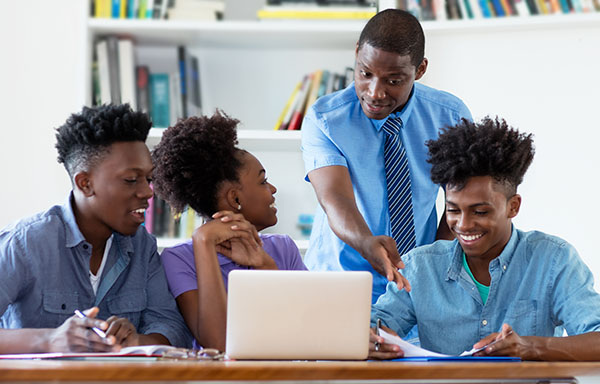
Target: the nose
(376, 89)
(145, 191)
(464, 222)
(273, 189)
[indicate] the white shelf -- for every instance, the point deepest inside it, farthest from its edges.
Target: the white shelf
(251, 139)
(234, 34)
(294, 34)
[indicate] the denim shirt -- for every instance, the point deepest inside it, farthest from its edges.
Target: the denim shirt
(539, 286)
(336, 131)
(44, 277)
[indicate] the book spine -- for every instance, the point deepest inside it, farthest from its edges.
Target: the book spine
(127, 73)
(181, 57)
(159, 99)
(113, 69)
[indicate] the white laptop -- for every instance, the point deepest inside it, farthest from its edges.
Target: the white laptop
(298, 315)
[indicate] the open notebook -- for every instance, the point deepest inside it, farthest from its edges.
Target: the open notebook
(298, 315)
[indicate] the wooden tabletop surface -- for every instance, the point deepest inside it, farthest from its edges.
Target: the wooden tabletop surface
(169, 370)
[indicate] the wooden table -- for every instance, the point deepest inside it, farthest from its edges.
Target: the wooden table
(98, 371)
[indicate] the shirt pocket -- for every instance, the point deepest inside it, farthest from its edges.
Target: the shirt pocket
(129, 305)
(522, 317)
(58, 307)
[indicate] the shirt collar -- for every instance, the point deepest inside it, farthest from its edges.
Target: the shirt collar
(504, 258)
(403, 114)
(73, 235)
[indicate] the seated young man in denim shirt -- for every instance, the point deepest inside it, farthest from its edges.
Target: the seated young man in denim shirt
(493, 281)
(90, 253)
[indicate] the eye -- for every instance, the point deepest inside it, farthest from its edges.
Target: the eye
(130, 181)
(364, 73)
(481, 213)
(149, 180)
(451, 210)
(265, 181)
(395, 82)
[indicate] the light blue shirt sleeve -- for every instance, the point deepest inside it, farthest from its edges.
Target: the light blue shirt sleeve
(395, 310)
(15, 273)
(575, 302)
(318, 150)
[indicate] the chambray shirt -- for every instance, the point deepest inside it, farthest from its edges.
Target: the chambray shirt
(44, 277)
(336, 131)
(539, 287)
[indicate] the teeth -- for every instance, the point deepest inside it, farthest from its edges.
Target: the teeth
(273, 205)
(141, 210)
(471, 237)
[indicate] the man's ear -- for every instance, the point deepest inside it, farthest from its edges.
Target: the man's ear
(83, 182)
(514, 204)
(421, 69)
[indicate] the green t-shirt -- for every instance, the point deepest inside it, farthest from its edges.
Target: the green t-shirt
(484, 290)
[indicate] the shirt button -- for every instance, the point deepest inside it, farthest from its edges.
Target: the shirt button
(484, 322)
(504, 267)
(85, 246)
(63, 306)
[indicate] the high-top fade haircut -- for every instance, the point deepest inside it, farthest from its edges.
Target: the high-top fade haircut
(395, 30)
(87, 136)
(193, 160)
(489, 148)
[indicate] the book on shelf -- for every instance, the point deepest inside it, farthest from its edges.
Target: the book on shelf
(169, 96)
(306, 92)
(159, 9)
(315, 12)
(142, 74)
(159, 99)
(127, 77)
(477, 9)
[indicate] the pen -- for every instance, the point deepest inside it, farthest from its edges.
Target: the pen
(98, 331)
(492, 343)
(377, 328)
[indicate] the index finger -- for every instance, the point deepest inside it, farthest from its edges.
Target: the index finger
(401, 281)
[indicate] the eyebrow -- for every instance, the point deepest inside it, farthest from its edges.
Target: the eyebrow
(391, 74)
(470, 206)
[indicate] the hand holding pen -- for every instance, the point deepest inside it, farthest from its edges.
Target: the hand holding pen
(497, 344)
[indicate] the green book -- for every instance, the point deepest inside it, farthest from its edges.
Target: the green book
(159, 100)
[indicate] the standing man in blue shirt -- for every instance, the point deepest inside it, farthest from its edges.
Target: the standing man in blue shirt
(344, 143)
(90, 253)
(493, 282)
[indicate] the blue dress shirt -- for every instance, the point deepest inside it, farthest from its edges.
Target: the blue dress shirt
(539, 287)
(44, 277)
(336, 131)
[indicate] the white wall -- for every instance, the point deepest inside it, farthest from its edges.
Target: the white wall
(39, 87)
(545, 81)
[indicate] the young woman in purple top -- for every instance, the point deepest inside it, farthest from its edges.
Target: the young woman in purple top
(198, 165)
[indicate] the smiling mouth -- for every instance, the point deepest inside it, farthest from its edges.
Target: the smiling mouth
(466, 237)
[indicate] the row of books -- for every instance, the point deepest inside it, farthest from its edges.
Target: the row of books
(317, 10)
(161, 222)
(307, 91)
(159, 9)
(166, 97)
(478, 9)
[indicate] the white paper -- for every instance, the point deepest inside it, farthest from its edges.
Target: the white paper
(411, 350)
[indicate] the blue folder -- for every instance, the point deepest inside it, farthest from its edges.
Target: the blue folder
(460, 359)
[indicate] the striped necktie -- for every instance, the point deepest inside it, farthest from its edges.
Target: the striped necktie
(397, 175)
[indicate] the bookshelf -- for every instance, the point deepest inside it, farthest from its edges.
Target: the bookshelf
(249, 68)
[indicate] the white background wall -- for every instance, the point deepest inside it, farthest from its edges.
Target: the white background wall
(545, 81)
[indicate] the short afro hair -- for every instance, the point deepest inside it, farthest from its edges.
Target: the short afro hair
(489, 148)
(193, 159)
(86, 136)
(395, 30)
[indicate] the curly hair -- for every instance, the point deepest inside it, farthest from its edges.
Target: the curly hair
(86, 136)
(193, 159)
(489, 148)
(395, 30)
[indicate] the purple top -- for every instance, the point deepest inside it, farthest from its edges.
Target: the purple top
(179, 265)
